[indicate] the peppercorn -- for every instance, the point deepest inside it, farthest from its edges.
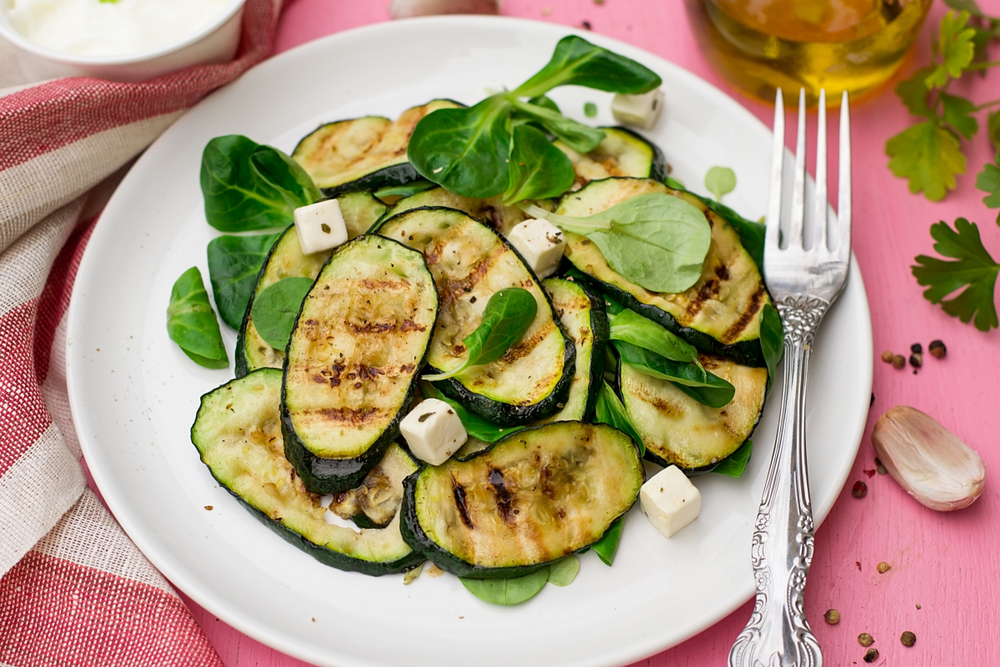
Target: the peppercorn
(916, 348)
(883, 567)
(907, 639)
(866, 639)
(860, 489)
(879, 468)
(871, 655)
(916, 360)
(832, 616)
(937, 349)
(898, 361)
(887, 356)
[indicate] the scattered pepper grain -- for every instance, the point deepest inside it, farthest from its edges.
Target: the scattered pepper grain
(888, 356)
(883, 567)
(918, 605)
(898, 361)
(209, 507)
(907, 639)
(916, 360)
(917, 348)
(586, 25)
(832, 616)
(860, 489)
(871, 655)
(879, 468)
(866, 639)
(937, 349)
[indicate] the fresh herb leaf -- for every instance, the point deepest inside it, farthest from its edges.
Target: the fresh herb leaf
(958, 113)
(508, 314)
(655, 240)
(692, 379)
(233, 265)
(248, 186)
(609, 410)
(476, 426)
(928, 156)
(590, 110)
(191, 322)
(507, 591)
(993, 127)
(545, 101)
(772, 342)
(538, 169)
(735, 464)
(955, 48)
(607, 546)
(276, 308)
(720, 181)
(630, 327)
(579, 137)
(417, 186)
(974, 272)
(989, 182)
(913, 92)
(465, 150)
(966, 6)
(563, 572)
(577, 62)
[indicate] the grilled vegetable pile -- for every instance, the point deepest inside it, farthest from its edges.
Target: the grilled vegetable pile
(655, 337)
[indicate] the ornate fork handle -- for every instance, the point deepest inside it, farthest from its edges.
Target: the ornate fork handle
(778, 634)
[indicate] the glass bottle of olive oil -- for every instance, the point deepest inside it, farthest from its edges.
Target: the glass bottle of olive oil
(760, 45)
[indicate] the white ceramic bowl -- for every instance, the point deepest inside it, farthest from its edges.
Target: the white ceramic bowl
(216, 42)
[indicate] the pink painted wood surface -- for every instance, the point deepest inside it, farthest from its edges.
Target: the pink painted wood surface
(944, 584)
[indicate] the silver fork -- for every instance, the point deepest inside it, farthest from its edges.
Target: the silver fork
(804, 283)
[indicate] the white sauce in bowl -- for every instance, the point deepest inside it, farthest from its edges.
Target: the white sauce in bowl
(125, 27)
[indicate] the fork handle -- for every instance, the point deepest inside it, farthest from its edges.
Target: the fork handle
(778, 634)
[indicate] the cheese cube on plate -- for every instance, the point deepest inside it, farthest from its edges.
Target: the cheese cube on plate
(638, 110)
(540, 243)
(669, 500)
(320, 226)
(433, 431)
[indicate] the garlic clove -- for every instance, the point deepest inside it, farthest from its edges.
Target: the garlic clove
(930, 463)
(404, 9)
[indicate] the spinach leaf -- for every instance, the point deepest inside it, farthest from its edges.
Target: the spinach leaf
(507, 591)
(607, 546)
(507, 316)
(477, 427)
(563, 572)
(655, 240)
(538, 169)
(577, 62)
(248, 186)
(609, 410)
(772, 342)
(751, 233)
(630, 327)
(735, 464)
(720, 181)
(692, 379)
(579, 137)
(276, 307)
(545, 101)
(233, 265)
(589, 109)
(464, 150)
(407, 190)
(191, 322)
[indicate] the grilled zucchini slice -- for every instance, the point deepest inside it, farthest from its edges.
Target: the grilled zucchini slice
(677, 429)
(585, 320)
(622, 152)
(352, 360)
(238, 435)
(533, 498)
(493, 212)
(377, 500)
(470, 263)
(286, 260)
(719, 315)
(363, 153)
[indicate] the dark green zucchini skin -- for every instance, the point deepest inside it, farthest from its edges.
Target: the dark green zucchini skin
(240, 357)
(602, 336)
(387, 177)
(658, 165)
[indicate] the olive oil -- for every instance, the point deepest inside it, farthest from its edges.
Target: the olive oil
(760, 45)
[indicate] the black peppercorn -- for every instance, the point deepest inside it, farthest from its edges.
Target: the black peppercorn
(937, 349)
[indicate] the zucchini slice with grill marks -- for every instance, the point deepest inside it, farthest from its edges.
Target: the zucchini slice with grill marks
(238, 435)
(677, 429)
(470, 263)
(531, 499)
(584, 318)
(377, 500)
(363, 153)
(352, 361)
(500, 217)
(719, 315)
(286, 260)
(622, 152)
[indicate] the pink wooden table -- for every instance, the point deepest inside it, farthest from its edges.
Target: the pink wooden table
(944, 584)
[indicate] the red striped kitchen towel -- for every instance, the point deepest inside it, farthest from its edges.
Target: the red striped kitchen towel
(74, 590)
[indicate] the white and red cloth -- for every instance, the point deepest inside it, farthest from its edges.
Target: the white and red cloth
(74, 590)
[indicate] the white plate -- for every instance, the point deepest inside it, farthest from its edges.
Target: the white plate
(134, 394)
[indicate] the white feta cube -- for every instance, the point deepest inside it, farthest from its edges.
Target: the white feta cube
(433, 431)
(669, 500)
(540, 243)
(638, 110)
(320, 226)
